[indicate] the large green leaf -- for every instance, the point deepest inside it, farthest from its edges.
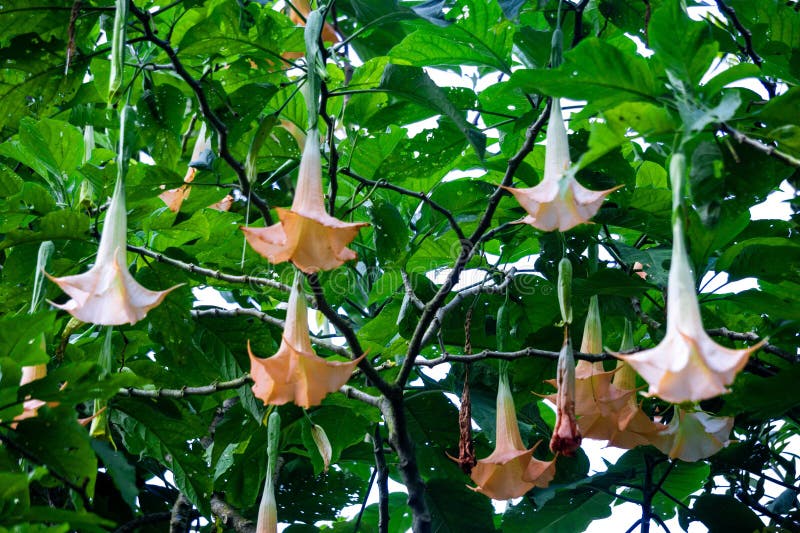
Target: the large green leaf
(414, 84)
(595, 71)
(480, 36)
(454, 508)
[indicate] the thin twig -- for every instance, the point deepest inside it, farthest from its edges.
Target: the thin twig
(267, 319)
(215, 274)
(383, 184)
(767, 149)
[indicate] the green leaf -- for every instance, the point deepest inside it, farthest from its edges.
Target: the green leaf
(22, 337)
(569, 511)
(692, 52)
(722, 513)
(769, 258)
(14, 495)
(56, 145)
(122, 473)
(164, 430)
(595, 71)
(80, 521)
(58, 225)
(414, 84)
(55, 439)
(762, 397)
(480, 36)
(390, 232)
(455, 508)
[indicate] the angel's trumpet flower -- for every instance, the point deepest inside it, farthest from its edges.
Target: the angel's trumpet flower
(30, 408)
(306, 235)
(686, 366)
(174, 197)
(597, 402)
(692, 436)
(510, 471)
(558, 202)
(108, 294)
(296, 374)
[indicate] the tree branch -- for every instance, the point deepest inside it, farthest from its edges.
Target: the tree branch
(382, 478)
(205, 107)
(220, 386)
(145, 520)
(468, 249)
(215, 274)
(230, 517)
(267, 319)
(383, 184)
(509, 356)
(340, 323)
(767, 149)
(181, 515)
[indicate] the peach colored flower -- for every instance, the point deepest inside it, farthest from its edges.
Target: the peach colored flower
(510, 471)
(605, 401)
(694, 435)
(686, 366)
(296, 374)
(108, 294)
(174, 197)
(566, 437)
(304, 7)
(306, 235)
(558, 202)
(31, 406)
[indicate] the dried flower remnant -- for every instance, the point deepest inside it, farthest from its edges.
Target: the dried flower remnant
(295, 373)
(686, 366)
(510, 471)
(566, 437)
(306, 235)
(558, 202)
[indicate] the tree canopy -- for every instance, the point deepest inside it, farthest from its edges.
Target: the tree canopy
(260, 258)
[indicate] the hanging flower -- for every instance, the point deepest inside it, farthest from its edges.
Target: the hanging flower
(296, 374)
(31, 406)
(605, 401)
(566, 437)
(558, 202)
(174, 197)
(108, 294)
(686, 366)
(510, 471)
(694, 435)
(306, 235)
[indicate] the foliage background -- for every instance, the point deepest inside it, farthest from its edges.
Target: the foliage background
(224, 62)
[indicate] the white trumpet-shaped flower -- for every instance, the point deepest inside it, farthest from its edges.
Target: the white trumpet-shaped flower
(558, 202)
(108, 294)
(686, 366)
(692, 436)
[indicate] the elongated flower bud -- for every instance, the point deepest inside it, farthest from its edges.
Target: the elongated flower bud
(565, 290)
(268, 509)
